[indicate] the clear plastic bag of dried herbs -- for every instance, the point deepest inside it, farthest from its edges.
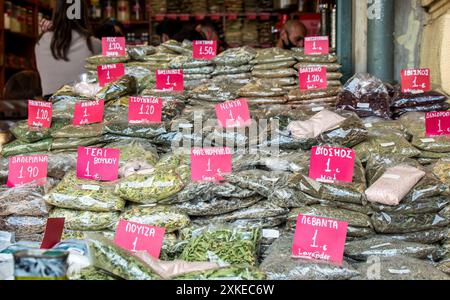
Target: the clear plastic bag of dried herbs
(117, 261)
(17, 147)
(85, 220)
(167, 217)
(223, 244)
(126, 85)
(79, 194)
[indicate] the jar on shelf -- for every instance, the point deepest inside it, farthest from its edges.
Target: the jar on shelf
(7, 15)
(136, 10)
(29, 21)
(14, 23)
(123, 10)
(109, 10)
(96, 10)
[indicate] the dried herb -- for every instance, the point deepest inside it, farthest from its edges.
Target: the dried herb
(235, 57)
(431, 236)
(401, 268)
(74, 143)
(84, 131)
(236, 246)
(115, 260)
(26, 200)
(397, 223)
(74, 193)
(276, 73)
(428, 205)
(106, 60)
(167, 217)
(227, 273)
(354, 219)
(279, 265)
(17, 147)
(27, 134)
(23, 225)
(126, 85)
(382, 246)
(85, 220)
(92, 273)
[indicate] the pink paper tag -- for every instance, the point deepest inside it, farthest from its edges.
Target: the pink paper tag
(319, 239)
(312, 78)
(27, 169)
(101, 164)
(39, 114)
(204, 49)
(109, 73)
(208, 164)
(137, 237)
(170, 80)
(437, 123)
(88, 112)
(317, 45)
(113, 46)
(144, 110)
(415, 80)
(329, 164)
(233, 113)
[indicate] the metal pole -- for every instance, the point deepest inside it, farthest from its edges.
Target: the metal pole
(380, 39)
(344, 37)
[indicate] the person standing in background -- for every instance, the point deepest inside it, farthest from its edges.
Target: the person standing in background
(292, 35)
(110, 28)
(62, 50)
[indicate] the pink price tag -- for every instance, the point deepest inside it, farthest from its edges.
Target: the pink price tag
(319, 239)
(137, 237)
(39, 114)
(113, 46)
(109, 73)
(437, 123)
(88, 112)
(27, 169)
(317, 45)
(233, 113)
(206, 50)
(415, 80)
(101, 164)
(312, 78)
(208, 164)
(170, 80)
(144, 110)
(329, 164)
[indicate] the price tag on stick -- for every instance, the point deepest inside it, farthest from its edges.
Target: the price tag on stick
(206, 50)
(88, 112)
(312, 78)
(142, 110)
(317, 45)
(170, 80)
(437, 123)
(109, 73)
(208, 164)
(233, 113)
(113, 46)
(415, 80)
(332, 164)
(39, 114)
(53, 232)
(137, 237)
(101, 164)
(27, 169)
(319, 239)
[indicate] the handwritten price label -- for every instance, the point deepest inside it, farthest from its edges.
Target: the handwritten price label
(100, 164)
(317, 45)
(39, 114)
(170, 80)
(437, 123)
(27, 169)
(319, 239)
(415, 80)
(312, 78)
(109, 73)
(329, 164)
(208, 164)
(137, 237)
(88, 112)
(113, 46)
(233, 113)
(206, 50)
(143, 110)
